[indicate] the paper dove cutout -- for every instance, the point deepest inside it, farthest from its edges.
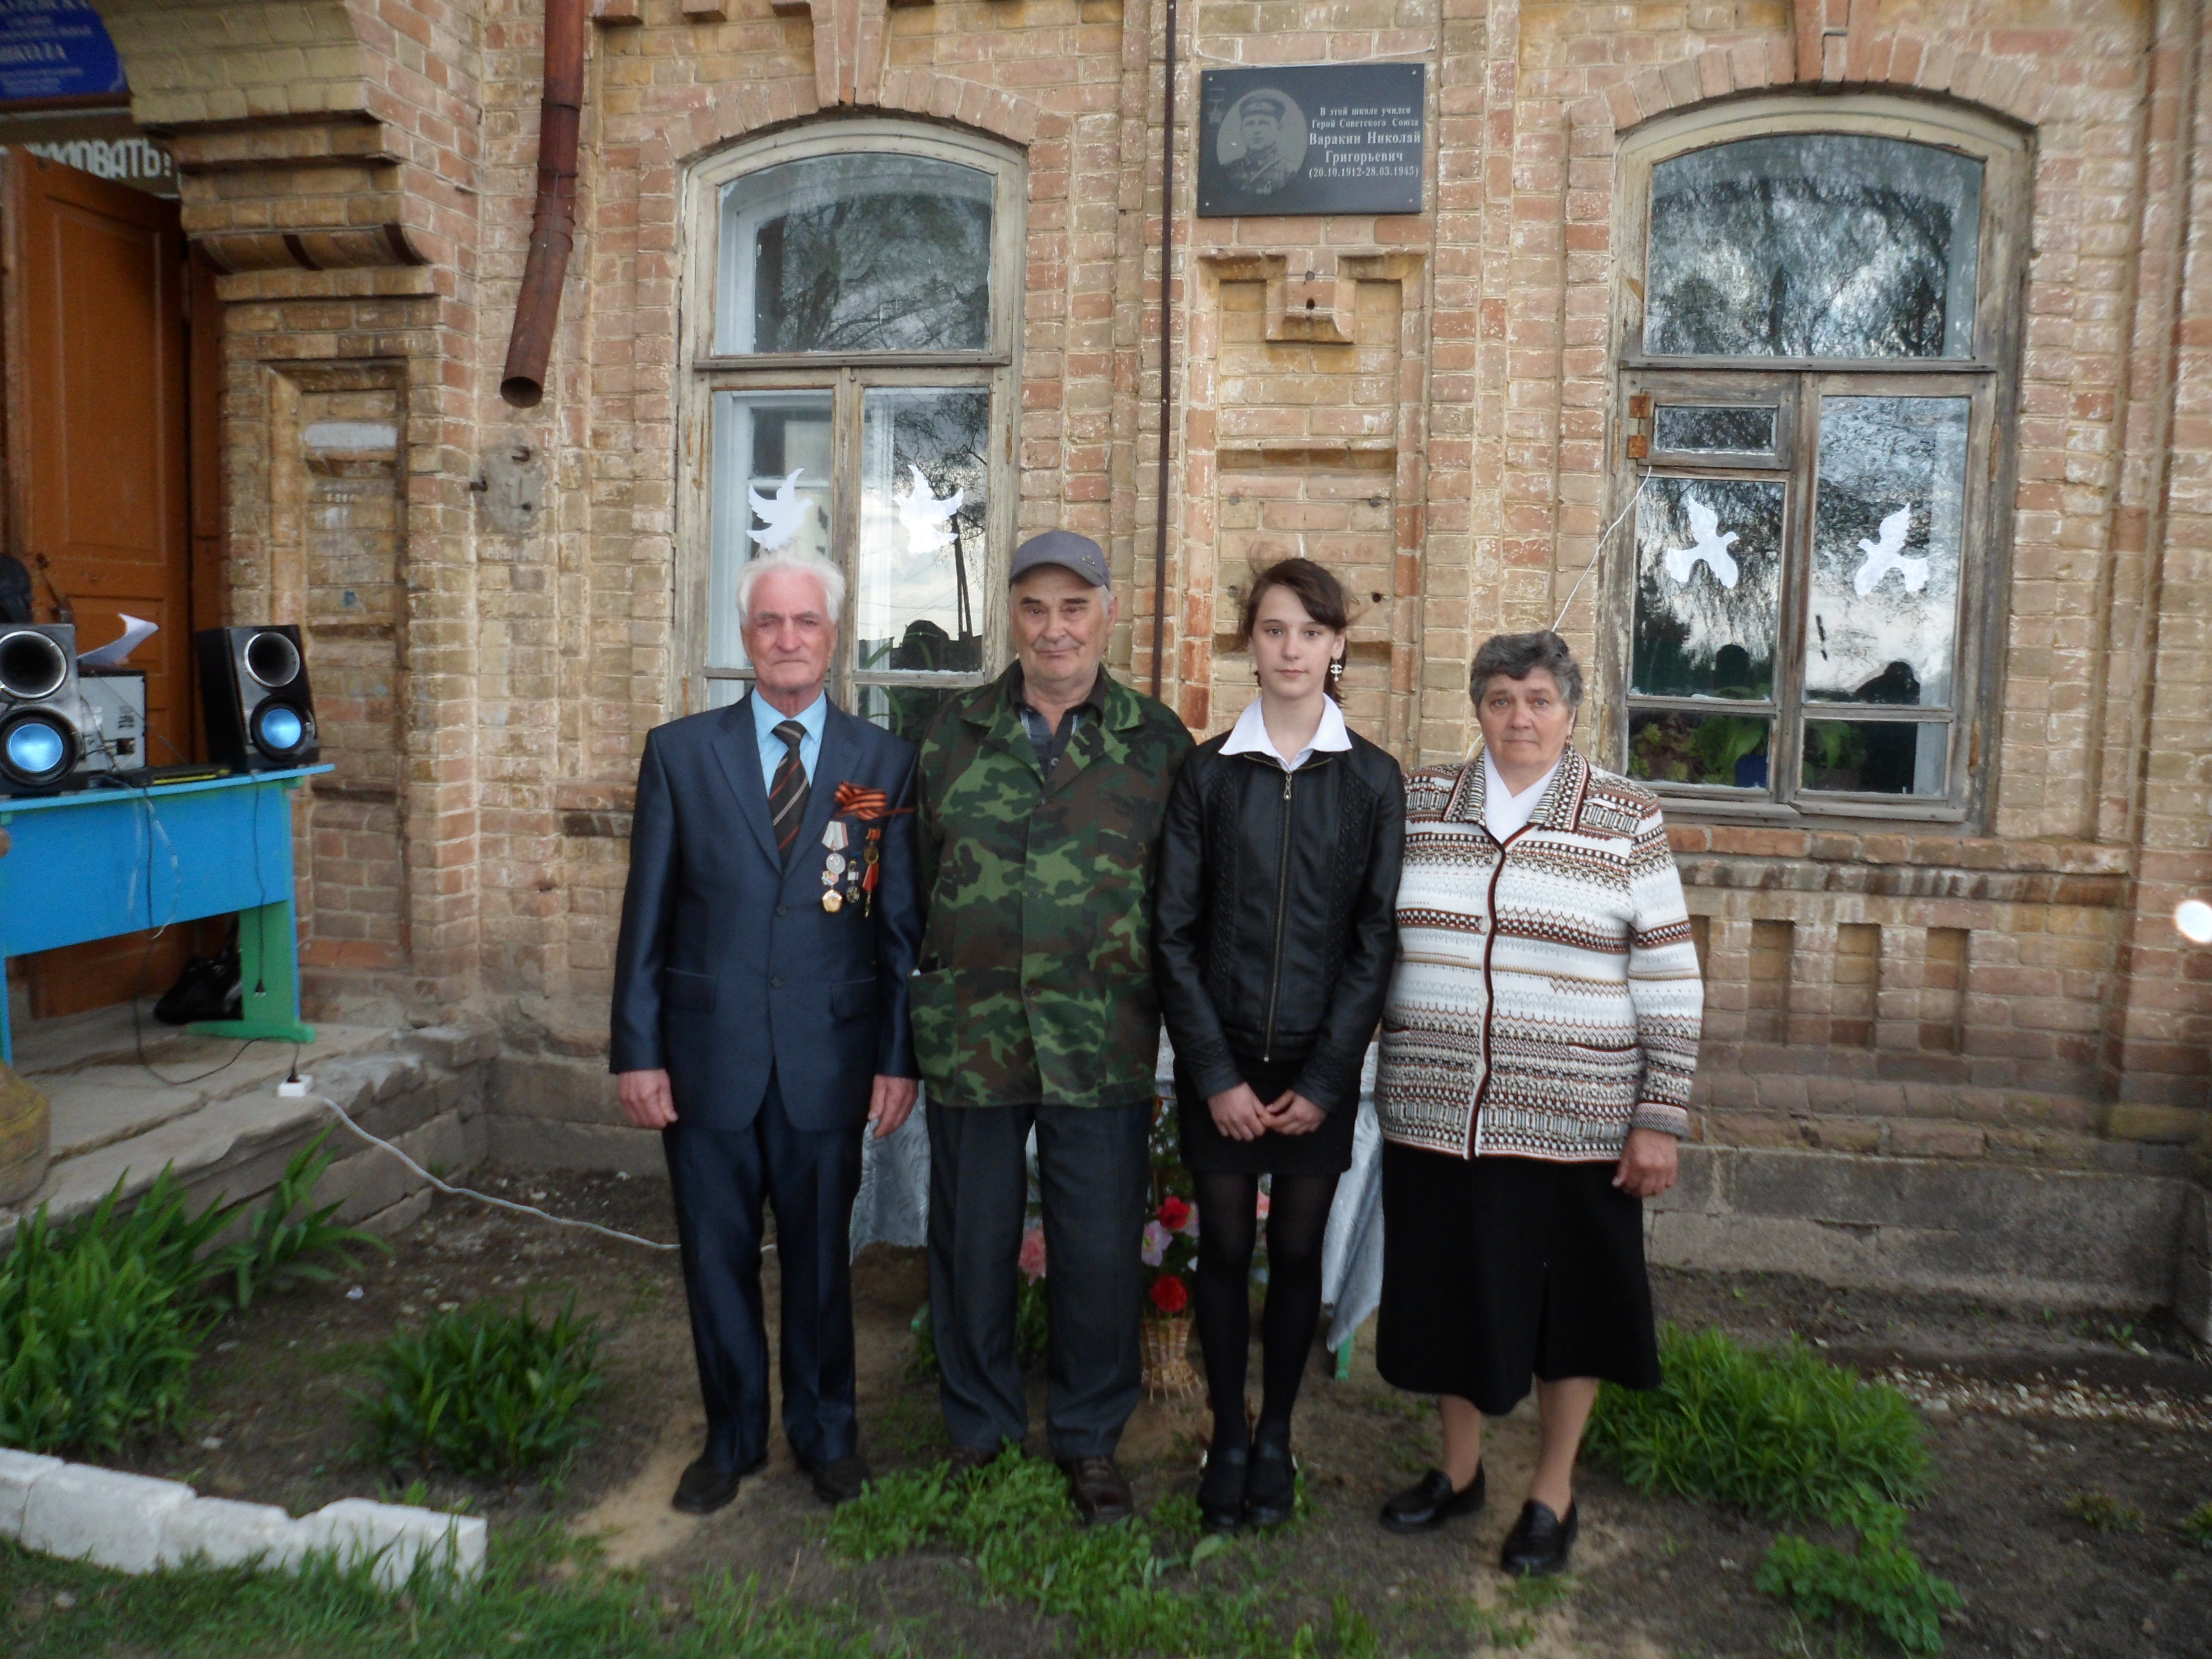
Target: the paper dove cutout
(1682, 561)
(927, 520)
(1888, 554)
(136, 630)
(783, 515)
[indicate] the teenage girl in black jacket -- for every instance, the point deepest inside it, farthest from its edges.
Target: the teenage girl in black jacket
(1273, 945)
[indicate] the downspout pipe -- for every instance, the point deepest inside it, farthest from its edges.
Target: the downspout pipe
(553, 227)
(1167, 378)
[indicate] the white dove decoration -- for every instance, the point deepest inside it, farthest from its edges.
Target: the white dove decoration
(926, 520)
(783, 515)
(1709, 545)
(1888, 554)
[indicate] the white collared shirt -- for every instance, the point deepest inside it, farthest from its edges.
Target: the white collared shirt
(766, 718)
(1505, 813)
(1250, 734)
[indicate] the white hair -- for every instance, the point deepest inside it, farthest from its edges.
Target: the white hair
(806, 564)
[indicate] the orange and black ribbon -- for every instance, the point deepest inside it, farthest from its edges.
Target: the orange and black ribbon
(866, 804)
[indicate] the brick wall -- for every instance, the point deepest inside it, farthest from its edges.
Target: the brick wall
(1438, 422)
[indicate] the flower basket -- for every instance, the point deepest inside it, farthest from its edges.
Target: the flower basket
(1169, 1374)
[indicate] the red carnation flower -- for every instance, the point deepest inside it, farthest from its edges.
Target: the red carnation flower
(1174, 1212)
(1170, 1294)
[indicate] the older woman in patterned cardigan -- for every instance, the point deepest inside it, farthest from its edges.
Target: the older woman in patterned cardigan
(1538, 1045)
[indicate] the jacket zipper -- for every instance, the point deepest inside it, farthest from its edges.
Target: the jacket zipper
(1489, 996)
(1282, 909)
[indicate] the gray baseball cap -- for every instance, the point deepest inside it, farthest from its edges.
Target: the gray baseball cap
(1065, 548)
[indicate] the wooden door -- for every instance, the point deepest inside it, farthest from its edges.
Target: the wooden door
(96, 282)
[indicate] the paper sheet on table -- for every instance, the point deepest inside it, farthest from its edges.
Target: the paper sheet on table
(135, 632)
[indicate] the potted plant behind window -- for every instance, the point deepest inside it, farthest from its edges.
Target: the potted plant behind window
(1169, 1252)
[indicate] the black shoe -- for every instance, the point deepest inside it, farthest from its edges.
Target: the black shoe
(1099, 1491)
(707, 1486)
(1429, 1502)
(1271, 1490)
(1221, 1488)
(838, 1480)
(1540, 1541)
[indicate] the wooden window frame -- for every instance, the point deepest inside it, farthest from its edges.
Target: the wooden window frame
(846, 377)
(1989, 379)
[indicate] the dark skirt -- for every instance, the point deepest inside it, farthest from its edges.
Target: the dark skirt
(1496, 1269)
(1206, 1151)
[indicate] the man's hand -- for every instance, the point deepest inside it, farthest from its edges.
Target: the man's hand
(1292, 1113)
(646, 1099)
(891, 1102)
(1237, 1113)
(1647, 1163)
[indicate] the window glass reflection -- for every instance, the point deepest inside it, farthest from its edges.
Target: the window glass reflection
(924, 482)
(771, 493)
(1879, 757)
(1814, 245)
(1714, 429)
(1881, 613)
(1675, 746)
(861, 252)
(1708, 588)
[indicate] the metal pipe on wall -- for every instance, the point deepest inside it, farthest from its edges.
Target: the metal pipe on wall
(553, 226)
(1167, 378)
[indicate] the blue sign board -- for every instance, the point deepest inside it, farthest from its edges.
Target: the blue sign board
(56, 49)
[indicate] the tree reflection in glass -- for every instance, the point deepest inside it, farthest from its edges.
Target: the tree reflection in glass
(924, 492)
(1814, 245)
(855, 253)
(1708, 588)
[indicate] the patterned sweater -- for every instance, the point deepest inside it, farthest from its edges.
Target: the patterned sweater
(1547, 998)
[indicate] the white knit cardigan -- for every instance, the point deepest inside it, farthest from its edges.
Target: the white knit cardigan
(1546, 997)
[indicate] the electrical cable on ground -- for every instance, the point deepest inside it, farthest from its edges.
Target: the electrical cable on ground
(486, 1198)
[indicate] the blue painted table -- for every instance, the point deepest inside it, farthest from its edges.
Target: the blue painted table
(101, 861)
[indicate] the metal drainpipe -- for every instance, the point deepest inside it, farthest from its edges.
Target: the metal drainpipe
(1167, 378)
(553, 227)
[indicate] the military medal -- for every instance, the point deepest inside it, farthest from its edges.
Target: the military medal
(872, 858)
(835, 863)
(833, 901)
(835, 836)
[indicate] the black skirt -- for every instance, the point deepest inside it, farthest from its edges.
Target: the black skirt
(1497, 1269)
(1206, 1151)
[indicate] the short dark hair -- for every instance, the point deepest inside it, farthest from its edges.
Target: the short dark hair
(1517, 656)
(1321, 593)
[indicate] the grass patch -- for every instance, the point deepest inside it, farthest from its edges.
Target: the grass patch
(1148, 1585)
(1782, 1433)
(101, 1318)
(2101, 1511)
(484, 1392)
(2196, 1526)
(543, 1596)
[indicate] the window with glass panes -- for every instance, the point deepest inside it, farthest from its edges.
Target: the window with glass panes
(1816, 358)
(850, 393)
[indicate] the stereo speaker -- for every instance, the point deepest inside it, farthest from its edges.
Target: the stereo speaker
(41, 716)
(253, 686)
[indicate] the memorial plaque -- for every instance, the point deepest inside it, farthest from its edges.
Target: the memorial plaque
(1314, 139)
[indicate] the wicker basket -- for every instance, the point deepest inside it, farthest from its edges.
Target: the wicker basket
(25, 1125)
(1167, 1371)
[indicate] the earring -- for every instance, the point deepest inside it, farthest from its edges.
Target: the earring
(1336, 672)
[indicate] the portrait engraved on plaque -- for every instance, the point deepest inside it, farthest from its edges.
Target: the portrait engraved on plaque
(1310, 138)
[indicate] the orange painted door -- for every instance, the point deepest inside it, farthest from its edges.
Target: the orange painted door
(98, 472)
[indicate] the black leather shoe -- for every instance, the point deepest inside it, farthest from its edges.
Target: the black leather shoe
(1098, 1490)
(1540, 1541)
(1429, 1502)
(838, 1480)
(1221, 1488)
(1271, 1490)
(707, 1486)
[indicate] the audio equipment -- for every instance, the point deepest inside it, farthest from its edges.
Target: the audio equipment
(114, 724)
(41, 715)
(253, 686)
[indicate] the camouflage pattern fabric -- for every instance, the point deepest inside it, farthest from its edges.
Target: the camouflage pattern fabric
(1037, 975)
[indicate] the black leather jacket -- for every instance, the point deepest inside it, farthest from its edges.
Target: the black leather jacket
(1274, 932)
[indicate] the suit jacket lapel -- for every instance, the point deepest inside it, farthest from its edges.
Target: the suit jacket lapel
(737, 752)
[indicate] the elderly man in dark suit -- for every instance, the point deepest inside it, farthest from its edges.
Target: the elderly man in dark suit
(769, 930)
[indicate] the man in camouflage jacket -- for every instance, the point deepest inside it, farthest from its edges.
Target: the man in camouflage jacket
(1042, 796)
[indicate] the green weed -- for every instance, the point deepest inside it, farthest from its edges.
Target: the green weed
(283, 1246)
(2102, 1512)
(1881, 1583)
(542, 1594)
(484, 1393)
(2196, 1526)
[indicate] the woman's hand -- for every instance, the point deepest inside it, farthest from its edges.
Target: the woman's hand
(1647, 1163)
(1237, 1113)
(1292, 1113)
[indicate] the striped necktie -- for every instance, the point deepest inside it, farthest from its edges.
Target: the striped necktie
(786, 796)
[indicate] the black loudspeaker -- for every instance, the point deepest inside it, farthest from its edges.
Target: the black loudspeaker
(41, 716)
(253, 685)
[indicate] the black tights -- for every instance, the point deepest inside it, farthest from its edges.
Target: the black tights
(1297, 1217)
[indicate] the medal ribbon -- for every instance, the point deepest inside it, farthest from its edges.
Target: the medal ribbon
(866, 804)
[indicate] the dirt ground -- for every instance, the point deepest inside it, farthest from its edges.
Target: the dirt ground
(2025, 1411)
